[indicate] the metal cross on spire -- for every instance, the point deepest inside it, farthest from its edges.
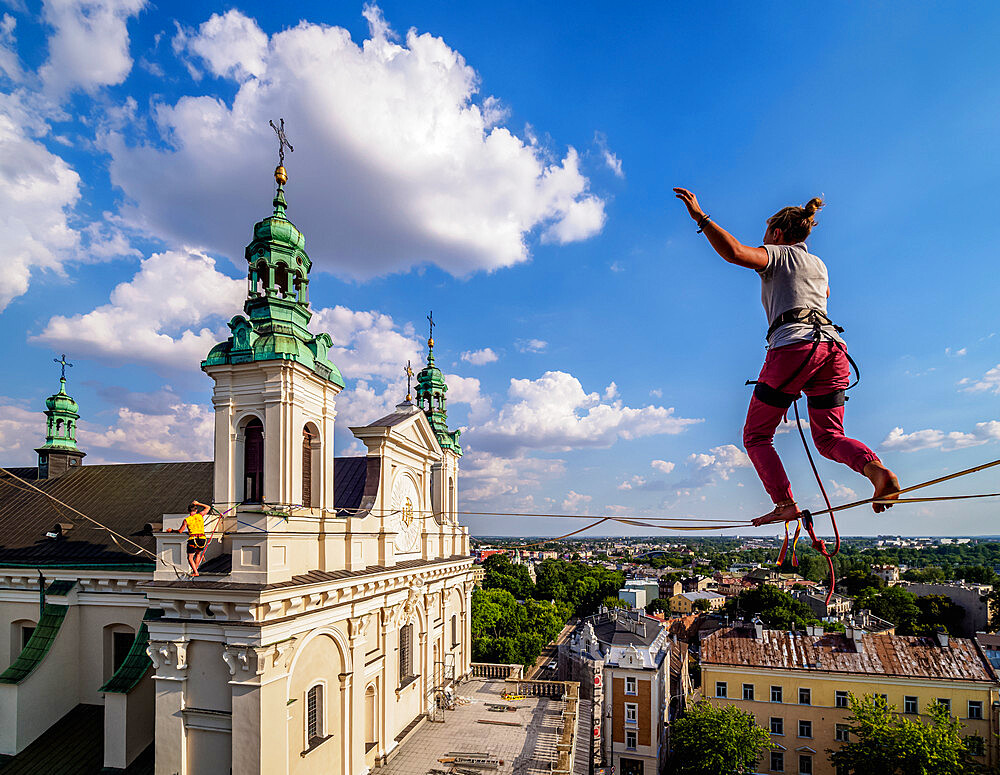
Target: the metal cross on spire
(64, 363)
(282, 141)
(409, 375)
(430, 319)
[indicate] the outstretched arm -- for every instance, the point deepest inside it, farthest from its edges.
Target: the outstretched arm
(725, 244)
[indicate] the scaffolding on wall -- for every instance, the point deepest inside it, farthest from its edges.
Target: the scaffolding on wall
(441, 694)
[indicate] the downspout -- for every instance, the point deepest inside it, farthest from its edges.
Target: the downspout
(41, 594)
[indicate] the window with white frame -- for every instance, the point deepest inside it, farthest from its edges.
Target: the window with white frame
(777, 761)
(840, 699)
(721, 689)
(805, 728)
(805, 764)
(630, 685)
(975, 709)
(777, 725)
(910, 704)
(630, 739)
(775, 694)
(747, 691)
(842, 733)
(405, 653)
(314, 715)
(631, 713)
(805, 697)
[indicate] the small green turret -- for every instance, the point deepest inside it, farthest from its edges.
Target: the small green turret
(431, 389)
(277, 305)
(59, 453)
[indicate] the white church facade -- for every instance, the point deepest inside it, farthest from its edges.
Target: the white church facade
(332, 607)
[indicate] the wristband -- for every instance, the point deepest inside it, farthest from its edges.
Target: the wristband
(702, 222)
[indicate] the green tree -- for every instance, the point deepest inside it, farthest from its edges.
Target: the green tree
(894, 604)
(511, 632)
(777, 609)
(659, 605)
(883, 743)
(716, 741)
(501, 573)
(701, 604)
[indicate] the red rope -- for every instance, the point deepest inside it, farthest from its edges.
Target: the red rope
(818, 543)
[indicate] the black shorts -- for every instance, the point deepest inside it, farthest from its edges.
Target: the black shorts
(197, 544)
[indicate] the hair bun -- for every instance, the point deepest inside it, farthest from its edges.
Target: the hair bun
(813, 206)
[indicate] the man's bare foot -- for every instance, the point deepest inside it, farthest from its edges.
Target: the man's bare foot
(885, 482)
(785, 511)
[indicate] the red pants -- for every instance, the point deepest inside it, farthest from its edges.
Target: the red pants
(827, 371)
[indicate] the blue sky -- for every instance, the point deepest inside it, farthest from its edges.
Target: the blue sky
(510, 166)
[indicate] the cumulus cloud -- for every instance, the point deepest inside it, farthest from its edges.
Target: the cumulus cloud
(988, 383)
(841, 491)
(468, 390)
(368, 343)
(88, 48)
(480, 357)
(486, 476)
(708, 468)
(946, 441)
(180, 431)
(38, 191)
(10, 63)
(575, 501)
(21, 430)
(555, 413)
(397, 160)
(664, 466)
(169, 315)
(955, 353)
(531, 345)
(231, 45)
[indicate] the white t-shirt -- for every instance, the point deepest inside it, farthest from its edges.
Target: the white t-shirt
(793, 278)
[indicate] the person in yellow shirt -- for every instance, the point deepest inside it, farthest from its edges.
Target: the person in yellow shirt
(194, 524)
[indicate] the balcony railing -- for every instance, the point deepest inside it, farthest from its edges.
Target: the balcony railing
(493, 670)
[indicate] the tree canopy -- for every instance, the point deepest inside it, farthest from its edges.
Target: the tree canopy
(776, 609)
(716, 741)
(881, 742)
(912, 615)
(509, 632)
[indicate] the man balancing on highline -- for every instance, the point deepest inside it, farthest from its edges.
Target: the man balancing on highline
(194, 524)
(805, 354)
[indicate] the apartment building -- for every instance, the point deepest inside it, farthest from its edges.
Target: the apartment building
(623, 661)
(684, 602)
(797, 685)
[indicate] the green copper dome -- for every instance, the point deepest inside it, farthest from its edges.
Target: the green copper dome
(276, 325)
(61, 402)
(62, 414)
(431, 389)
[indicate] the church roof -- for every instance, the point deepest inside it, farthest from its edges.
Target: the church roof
(391, 419)
(124, 497)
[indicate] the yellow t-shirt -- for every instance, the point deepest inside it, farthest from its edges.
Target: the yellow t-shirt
(195, 524)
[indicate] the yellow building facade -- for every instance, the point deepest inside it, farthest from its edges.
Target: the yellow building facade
(797, 686)
(685, 601)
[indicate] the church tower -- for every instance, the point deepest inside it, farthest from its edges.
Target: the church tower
(274, 382)
(431, 398)
(59, 453)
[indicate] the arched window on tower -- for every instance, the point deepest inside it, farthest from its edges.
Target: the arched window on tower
(59, 427)
(310, 466)
(281, 279)
(261, 277)
(253, 462)
(371, 717)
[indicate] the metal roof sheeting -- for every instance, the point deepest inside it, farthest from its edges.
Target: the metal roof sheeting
(879, 654)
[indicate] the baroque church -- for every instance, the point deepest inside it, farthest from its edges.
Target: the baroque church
(332, 607)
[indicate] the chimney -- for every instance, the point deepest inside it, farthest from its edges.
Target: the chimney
(942, 638)
(758, 628)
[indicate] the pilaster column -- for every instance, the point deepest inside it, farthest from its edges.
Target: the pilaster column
(170, 738)
(347, 724)
(358, 628)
